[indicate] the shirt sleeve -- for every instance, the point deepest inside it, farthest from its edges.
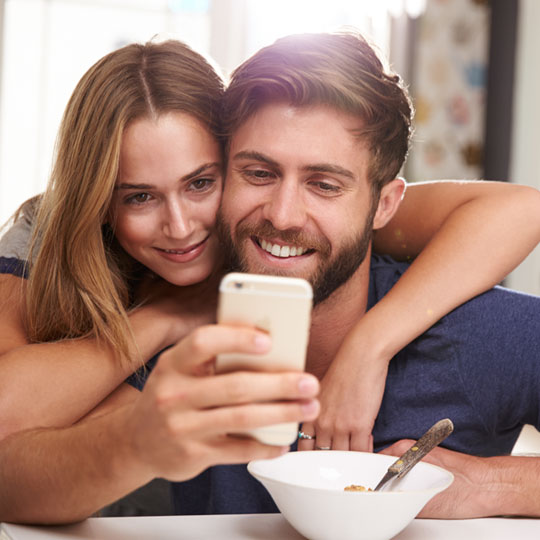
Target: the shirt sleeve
(138, 378)
(15, 244)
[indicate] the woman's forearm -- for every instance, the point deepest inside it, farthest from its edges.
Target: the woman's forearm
(479, 233)
(60, 475)
(55, 384)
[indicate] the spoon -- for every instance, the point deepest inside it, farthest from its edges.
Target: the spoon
(429, 440)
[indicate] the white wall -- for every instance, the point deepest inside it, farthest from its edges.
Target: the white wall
(47, 46)
(525, 160)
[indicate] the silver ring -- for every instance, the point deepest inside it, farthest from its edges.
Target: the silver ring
(302, 435)
(323, 447)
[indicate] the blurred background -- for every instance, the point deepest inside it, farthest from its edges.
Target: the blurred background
(472, 66)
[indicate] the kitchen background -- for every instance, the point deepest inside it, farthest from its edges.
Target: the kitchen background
(473, 67)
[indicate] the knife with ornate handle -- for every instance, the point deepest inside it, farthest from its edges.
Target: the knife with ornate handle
(429, 440)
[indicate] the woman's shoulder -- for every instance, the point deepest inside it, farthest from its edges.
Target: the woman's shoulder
(15, 240)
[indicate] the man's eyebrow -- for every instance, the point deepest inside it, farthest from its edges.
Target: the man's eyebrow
(316, 167)
(257, 156)
(330, 168)
(189, 176)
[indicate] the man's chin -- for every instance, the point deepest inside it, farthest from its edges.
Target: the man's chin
(270, 270)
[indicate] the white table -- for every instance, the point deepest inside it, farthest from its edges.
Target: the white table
(257, 527)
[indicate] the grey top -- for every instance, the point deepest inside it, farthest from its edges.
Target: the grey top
(15, 242)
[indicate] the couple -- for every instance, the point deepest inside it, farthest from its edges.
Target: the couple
(125, 257)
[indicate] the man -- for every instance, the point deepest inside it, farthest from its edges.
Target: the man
(317, 133)
(312, 160)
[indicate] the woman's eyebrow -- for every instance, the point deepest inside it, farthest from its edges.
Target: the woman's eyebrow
(189, 176)
(127, 185)
(200, 170)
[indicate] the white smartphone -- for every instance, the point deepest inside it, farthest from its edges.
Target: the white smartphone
(280, 306)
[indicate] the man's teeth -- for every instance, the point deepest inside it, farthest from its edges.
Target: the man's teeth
(282, 251)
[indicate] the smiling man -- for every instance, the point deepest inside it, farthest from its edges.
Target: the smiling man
(313, 156)
(307, 209)
(318, 131)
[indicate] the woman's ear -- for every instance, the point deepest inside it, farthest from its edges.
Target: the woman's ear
(389, 201)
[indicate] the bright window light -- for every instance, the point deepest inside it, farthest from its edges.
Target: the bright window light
(268, 20)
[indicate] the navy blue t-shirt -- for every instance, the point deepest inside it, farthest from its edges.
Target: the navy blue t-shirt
(479, 366)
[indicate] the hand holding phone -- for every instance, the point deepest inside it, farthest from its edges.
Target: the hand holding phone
(280, 306)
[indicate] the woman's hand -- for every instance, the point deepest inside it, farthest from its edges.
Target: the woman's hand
(350, 397)
(178, 310)
(181, 423)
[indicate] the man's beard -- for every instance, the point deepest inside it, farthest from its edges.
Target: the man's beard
(332, 273)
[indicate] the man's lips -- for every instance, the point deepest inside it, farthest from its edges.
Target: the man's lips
(283, 251)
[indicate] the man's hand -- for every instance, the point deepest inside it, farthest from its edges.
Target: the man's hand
(350, 397)
(181, 423)
(482, 487)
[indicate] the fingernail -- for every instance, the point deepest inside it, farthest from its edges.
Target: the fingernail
(263, 342)
(310, 407)
(308, 385)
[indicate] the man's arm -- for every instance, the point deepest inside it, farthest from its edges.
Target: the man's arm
(482, 487)
(174, 429)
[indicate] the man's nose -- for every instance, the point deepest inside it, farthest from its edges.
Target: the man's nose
(176, 221)
(287, 208)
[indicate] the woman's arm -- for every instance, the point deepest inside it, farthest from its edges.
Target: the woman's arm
(54, 384)
(466, 237)
(175, 428)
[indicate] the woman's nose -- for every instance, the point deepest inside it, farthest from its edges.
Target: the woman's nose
(177, 222)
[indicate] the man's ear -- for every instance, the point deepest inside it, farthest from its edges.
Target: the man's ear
(389, 201)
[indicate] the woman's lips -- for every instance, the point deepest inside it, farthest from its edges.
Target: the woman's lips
(183, 255)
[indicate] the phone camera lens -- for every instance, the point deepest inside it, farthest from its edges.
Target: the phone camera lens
(238, 284)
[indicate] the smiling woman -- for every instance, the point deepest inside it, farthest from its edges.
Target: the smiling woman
(128, 214)
(135, 117)
(167, 195)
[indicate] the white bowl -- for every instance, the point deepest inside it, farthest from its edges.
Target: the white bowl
(308, 489)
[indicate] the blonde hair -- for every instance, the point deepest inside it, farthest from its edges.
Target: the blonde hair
(341, 70)
(79, 276)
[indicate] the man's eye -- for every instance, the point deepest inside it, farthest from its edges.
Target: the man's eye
(258, 174)
(326, 188)
(138, 198)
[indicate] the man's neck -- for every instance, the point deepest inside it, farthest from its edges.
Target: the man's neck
(334, 318)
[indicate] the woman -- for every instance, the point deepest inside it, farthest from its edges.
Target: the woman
(125, 261)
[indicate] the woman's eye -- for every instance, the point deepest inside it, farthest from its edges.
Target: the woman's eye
(138, 198)
(201, 184)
